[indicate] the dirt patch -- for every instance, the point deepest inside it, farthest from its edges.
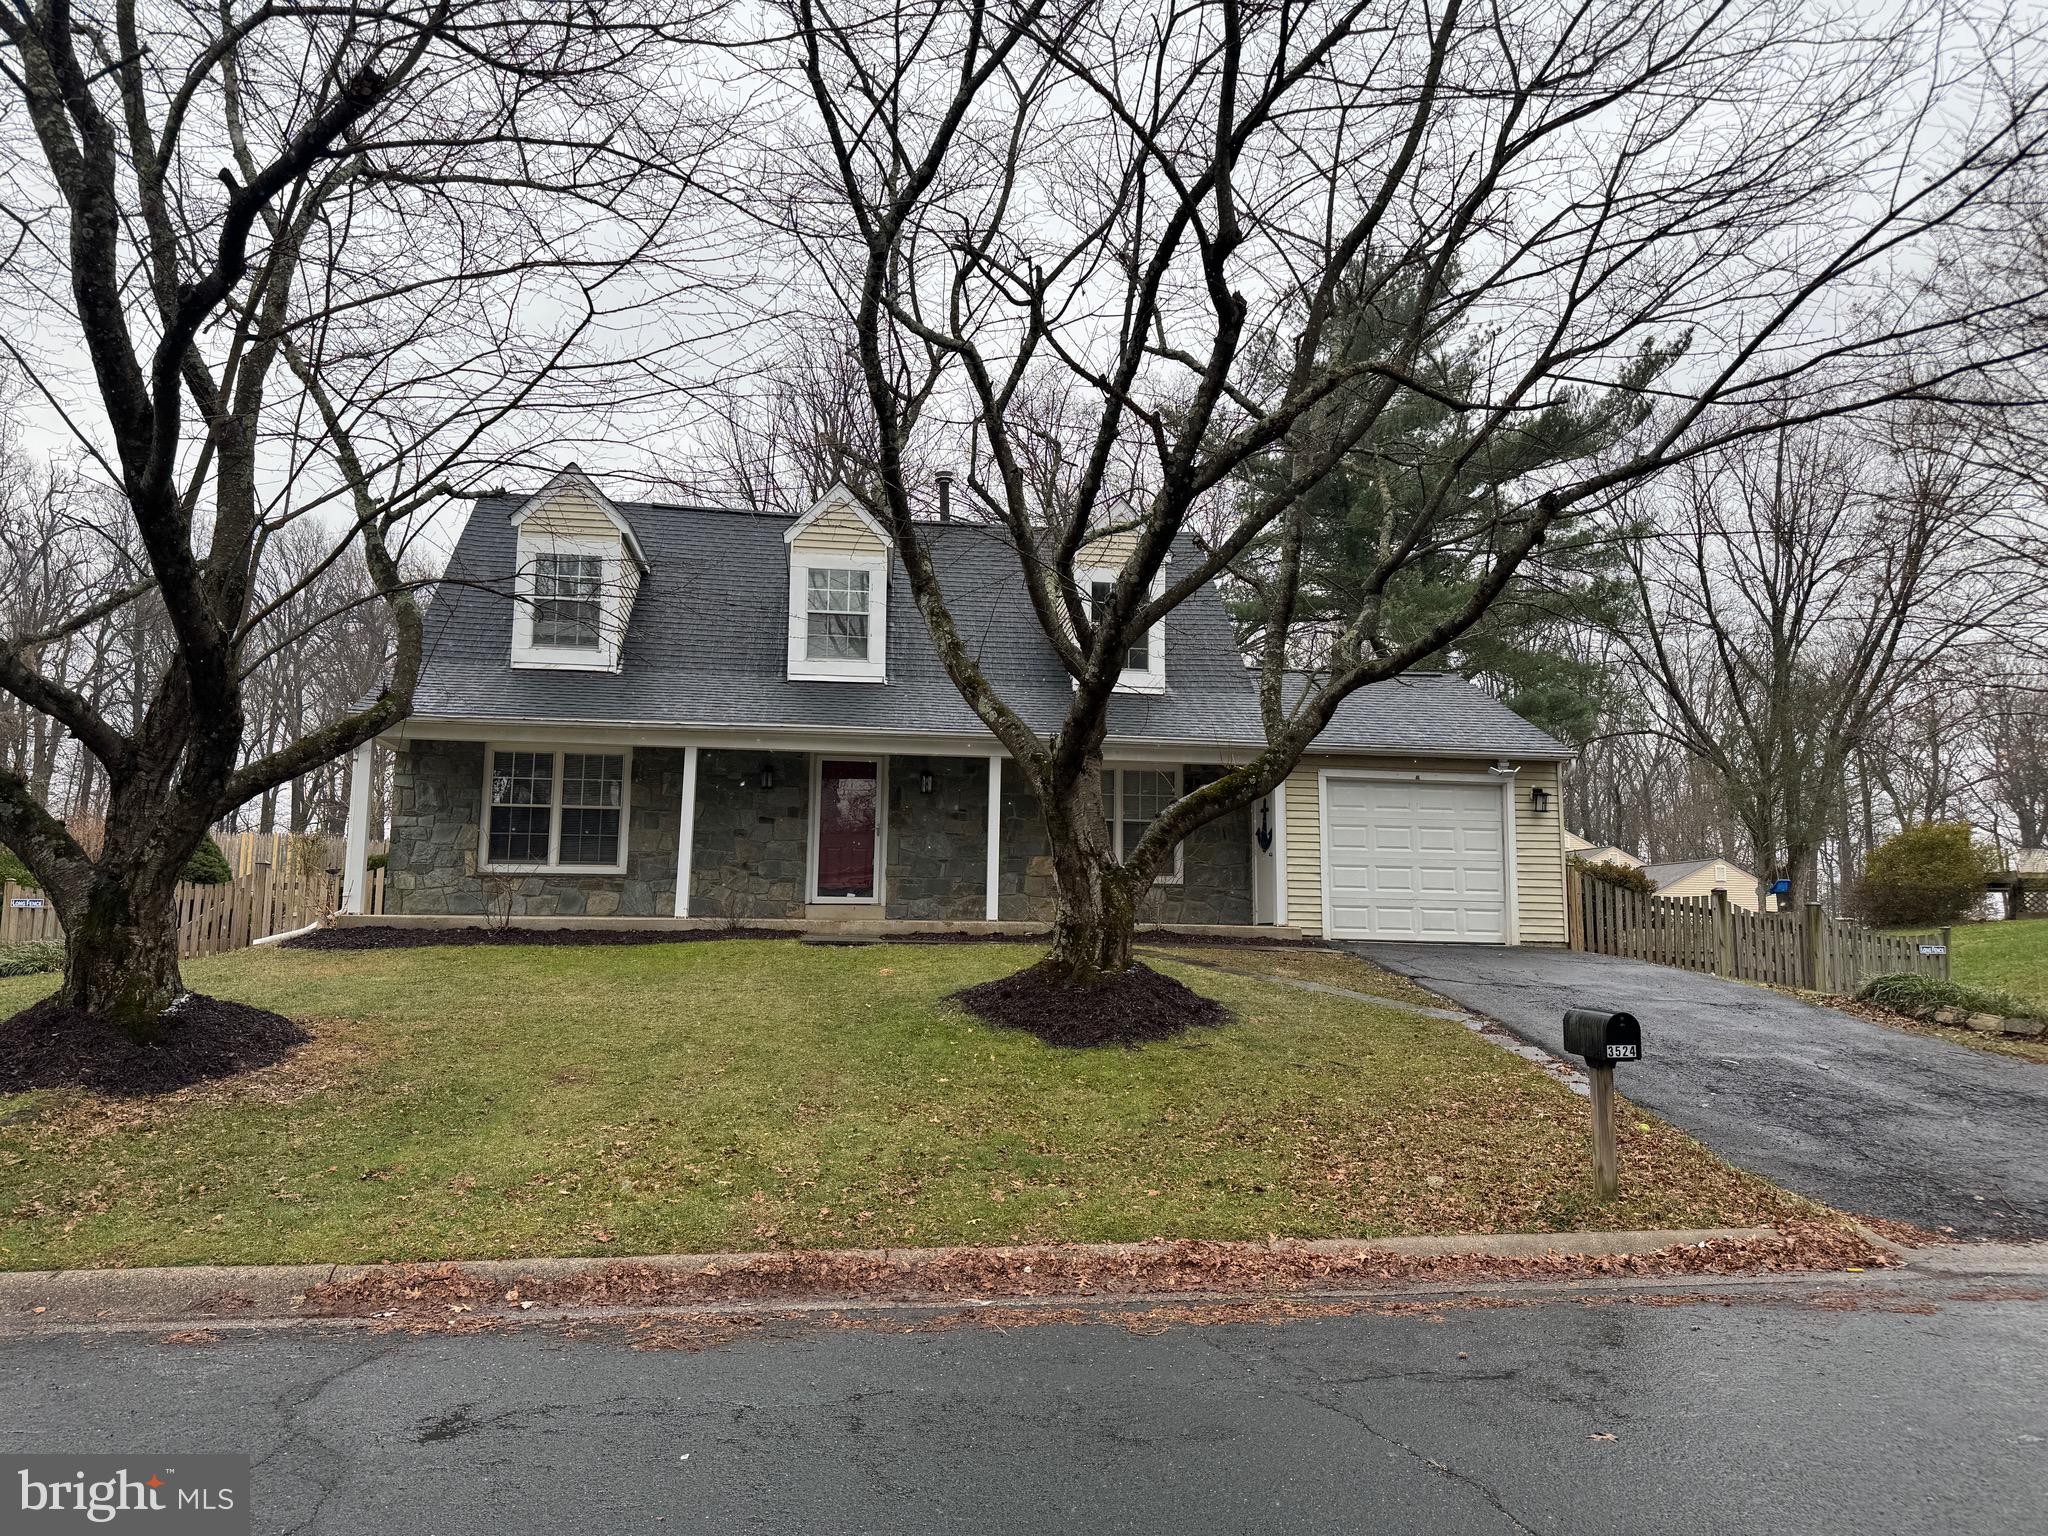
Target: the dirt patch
(375, 936)
(49, 1045)
(1127, 1009)
(440, 1290)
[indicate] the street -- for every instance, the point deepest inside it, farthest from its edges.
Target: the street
(1869, 1403)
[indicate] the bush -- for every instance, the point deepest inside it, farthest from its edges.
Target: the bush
(30, 959)
(1919, 996)
(377, 861)
(207, 866)
(1627, 876)
(1926, 874)
(12, 870)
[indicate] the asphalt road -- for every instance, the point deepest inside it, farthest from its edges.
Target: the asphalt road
(1780, 1415)
(1866, 1118)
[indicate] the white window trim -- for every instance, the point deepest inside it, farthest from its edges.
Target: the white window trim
(1116, 821)
(881, 895)
(1150, 679)
(801, 667)
(611, 599)
(483, 847)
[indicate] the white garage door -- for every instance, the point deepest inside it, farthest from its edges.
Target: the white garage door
(1414, 861)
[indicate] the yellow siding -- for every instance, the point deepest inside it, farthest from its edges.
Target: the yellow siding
(841, 532)
(1108, 553)
(1741, 886)
(1539, 841)
(571, 513)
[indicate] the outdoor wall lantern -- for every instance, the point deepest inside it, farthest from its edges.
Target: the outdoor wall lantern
(767, 775)
(925, 781)
(1539, 800)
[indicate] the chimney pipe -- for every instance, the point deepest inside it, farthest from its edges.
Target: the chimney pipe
(945, 495)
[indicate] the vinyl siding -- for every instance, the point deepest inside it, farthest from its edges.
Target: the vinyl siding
(841, 532)
(571, 513)
(1741, 886)
(1539, 841)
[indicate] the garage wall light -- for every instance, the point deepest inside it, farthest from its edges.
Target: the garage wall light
(1539, 800)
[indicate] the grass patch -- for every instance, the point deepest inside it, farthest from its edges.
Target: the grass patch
(525, 1101)
(2007, 957)
(35, 958)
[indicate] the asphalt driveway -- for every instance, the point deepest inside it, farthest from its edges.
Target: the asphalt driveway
(1866, 1118)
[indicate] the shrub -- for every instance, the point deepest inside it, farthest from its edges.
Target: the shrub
(12, 870)
(207, 866)
(31, 959)
(1628, 876)
(1919, 996)
(1930, 873)
(377, 861)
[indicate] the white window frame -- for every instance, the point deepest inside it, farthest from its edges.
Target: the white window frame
(881, 895)
(611, 605)
(552, 866)
(802, 668)
(1151, 678)
(1116, 814)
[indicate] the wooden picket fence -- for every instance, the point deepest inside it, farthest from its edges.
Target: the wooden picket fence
(1805, 949)
(212, 919)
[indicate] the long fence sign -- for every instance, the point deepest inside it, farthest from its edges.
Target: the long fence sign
(1805, 949)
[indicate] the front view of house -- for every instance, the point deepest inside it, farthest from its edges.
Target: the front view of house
(654, 712)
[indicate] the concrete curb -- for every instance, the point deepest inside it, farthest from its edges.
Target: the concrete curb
(193, 1294)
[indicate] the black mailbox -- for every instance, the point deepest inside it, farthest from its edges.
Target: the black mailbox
(1602, 1038)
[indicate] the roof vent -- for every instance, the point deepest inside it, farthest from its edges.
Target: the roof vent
(945, 495)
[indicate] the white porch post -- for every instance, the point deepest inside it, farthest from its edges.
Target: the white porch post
(995, 822)
(686, 832)
(1279, 914)
(355, 856)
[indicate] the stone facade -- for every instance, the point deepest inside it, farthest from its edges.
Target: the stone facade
(1216, 878)
(752, 844)
(750, 858)
(436, 826)
(937, 842)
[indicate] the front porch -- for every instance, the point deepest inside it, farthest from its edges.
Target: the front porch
(881, 843)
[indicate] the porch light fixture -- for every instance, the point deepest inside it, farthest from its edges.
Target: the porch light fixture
(1539, 800)
(925, 781)
(767, 775)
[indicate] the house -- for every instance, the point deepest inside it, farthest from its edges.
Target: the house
(655, 712)
(1577, 847)
(1703, 877)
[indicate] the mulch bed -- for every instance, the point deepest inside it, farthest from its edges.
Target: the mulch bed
(374, 936)
(1055, 1270)
(50, 1045)
(1127, 1009)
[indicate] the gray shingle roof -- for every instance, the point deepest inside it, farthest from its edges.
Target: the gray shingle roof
(706, 645)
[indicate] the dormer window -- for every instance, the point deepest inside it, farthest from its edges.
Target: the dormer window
(568, 601)
(838, 593)
(579, 566)
(1144, 668)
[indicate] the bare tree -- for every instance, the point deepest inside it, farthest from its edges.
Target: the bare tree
(326, 264)
(1092, 252)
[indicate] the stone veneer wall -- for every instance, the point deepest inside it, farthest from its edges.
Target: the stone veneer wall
(436, 809)
(1216, 885)
(749, 857)
(937, 842)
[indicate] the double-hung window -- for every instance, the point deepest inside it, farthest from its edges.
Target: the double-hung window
(1144, 668)
(1132, 799)
(835, 614)
(1139, 657)
(556, 810)
(568, 602)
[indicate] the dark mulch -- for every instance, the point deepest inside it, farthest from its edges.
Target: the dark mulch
(49, 1045)
(373, 936)
(1128, 1009)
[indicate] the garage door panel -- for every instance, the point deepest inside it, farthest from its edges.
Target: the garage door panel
(1415, 861)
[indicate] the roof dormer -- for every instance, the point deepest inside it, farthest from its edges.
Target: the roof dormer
(838, 593)
(1096, 570)
(578, 568)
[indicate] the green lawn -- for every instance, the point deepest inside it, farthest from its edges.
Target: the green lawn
(2006, 957)
(531, 1101)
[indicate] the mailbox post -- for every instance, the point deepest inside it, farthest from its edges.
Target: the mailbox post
(1603, 1041)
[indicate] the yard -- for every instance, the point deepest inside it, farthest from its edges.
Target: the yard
(741, 1094)
(2005, 957)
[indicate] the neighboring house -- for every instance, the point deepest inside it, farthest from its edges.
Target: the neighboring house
(1578, 847)
(694, 712)
(1703, 877)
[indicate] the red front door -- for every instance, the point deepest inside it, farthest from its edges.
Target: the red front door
(849, 798)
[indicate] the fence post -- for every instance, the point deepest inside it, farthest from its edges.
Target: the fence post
(1724, 936)
(1947, 938)
(1574, 919)
(1815, 966)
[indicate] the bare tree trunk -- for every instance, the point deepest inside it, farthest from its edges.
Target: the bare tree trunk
(1098, 897)
(121, 951)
